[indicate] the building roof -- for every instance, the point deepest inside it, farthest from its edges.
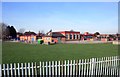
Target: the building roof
(69, 31)
(20, 34)
(29, 33)
(54, 34)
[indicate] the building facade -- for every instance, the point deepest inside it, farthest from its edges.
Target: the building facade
(28, 37)
(53, 37)
(71, 35)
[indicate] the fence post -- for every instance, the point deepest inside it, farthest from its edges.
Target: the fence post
(92, 66)
(49, 68)
(0, 71)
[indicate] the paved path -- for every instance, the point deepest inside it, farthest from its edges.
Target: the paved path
(86, 42)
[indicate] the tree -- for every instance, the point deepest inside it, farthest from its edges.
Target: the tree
(13, 33)
(3, 31)
(96, 34)
(6, 31)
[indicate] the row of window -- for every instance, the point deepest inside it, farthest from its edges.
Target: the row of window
(72, 36)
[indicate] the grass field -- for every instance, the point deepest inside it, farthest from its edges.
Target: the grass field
(20, 52)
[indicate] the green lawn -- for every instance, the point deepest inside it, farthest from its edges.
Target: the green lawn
(20, 52)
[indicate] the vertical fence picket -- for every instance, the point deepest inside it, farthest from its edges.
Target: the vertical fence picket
(65, 68)
(56, 69)
(99, 74)
(49, 68)
(8, 74)
(18, 70)
(68, 69)
(15, 70)
(29, 70)
(74, 68)
(62, 70)
(115, 65)
(87, 67)
(118, 67)
(82, 67)
(101, 67)
(25, 70)
(11, 69)
(71, 68)
(76, 74)
(4, 70)
(22, 69)
(95, 64)
(59, 68)
(43, 69)
(40, 70)
(53, 69)
(92, 66)
(46, 68)
(79, 68)
(108, 66)
(111, 72)
(0, 70)
(104, 66)
(35, 69)
(32, 70)
(84, 72)
(96, 67)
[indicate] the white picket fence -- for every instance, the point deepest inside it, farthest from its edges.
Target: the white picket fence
(105, 66)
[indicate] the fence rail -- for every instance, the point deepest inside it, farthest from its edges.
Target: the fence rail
(105, 66)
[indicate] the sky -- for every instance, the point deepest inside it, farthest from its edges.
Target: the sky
(62, 16)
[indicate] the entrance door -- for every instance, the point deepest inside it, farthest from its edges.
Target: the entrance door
(59, 40)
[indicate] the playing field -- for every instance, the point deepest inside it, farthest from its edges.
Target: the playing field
(21, 52)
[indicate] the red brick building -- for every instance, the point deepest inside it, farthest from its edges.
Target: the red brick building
(61, 36)
(71, 35)
(87, 36)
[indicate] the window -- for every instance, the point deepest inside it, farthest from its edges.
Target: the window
(70, 36)
(47, 38)
(67, 36)
(74, 36)
(77, 36)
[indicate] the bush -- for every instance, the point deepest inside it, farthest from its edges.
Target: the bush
(41, 42)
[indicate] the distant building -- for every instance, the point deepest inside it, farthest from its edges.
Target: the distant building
(62, 36)
(87, 36)
(53, 37)
(71, 35)
(28, 37)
